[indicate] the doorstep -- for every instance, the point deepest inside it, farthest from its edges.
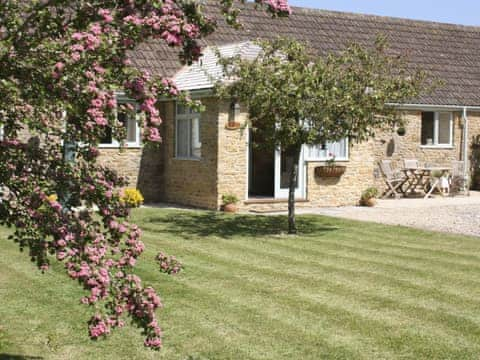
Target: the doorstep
(269, 205)
(264, 201)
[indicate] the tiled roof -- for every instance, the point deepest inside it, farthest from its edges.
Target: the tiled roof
(448, 52)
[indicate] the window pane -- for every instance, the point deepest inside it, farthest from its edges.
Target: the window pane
(444, 135)
(182, 138)
(428, 124)
(337, 149)
(316, 152)
(181, 110)
(129, 122)
(196, 145)
(131, 131)
(287, 161)
(323, 152)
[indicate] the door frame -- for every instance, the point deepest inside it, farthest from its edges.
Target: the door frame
(282, 194)
(300, 191)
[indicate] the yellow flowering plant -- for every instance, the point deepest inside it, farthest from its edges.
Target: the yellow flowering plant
(132, 197)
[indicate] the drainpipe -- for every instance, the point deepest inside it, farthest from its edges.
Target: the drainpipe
(465, 149)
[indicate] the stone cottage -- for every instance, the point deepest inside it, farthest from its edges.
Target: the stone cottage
(204, 156)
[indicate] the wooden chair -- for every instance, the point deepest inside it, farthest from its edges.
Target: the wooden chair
(458, 183)
(393, 180)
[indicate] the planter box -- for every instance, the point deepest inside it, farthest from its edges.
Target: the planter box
(330, 171)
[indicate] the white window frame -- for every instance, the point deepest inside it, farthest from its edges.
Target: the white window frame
(312, 158)
(189, 116)
(128, 144)
(436, 127)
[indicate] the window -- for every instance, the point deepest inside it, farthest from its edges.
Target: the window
(338, 149)
(131, 126)
(188, 141)
(437, 129)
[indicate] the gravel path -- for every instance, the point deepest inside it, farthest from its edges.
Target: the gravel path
(460, 215)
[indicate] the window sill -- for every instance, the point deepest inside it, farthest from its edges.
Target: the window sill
(187, 158)
(115, 146)
(437, 147)
(325, 161)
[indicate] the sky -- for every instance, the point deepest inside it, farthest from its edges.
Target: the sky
(466, 12)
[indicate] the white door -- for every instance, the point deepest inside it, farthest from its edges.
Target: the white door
(283, 164)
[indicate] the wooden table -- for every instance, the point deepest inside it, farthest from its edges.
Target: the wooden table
(420, 178)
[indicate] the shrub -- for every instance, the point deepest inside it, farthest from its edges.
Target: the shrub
(132, 197)
(437, 174)
(229, 199)
(371, 192)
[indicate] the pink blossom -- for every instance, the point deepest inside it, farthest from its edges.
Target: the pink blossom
(155, 120)
(112, 103)
(76, 56)
(99, 69)
(77, 47)
(99, 329)
(77, 36)
(59, 66)
(97, 103)
(153, 342)
(100, 120)
(107, 17)
(96, 29)
(154, 135)
(172, 38)
(92, 42)
(132, 19)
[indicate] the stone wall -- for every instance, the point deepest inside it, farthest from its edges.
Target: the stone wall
(232, 155)
(140, 165)
(391, 146)
(347, 189)
(362, 166)
(223, 168)
(125, 161)
(160, 176)
(233, 170)
(190, 182)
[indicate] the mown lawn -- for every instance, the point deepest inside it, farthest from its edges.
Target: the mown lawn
(340, 290)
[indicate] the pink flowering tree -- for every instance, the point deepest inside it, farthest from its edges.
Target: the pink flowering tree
(61, 63)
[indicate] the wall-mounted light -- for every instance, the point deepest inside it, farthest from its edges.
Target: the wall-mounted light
(234, 112)
(233, 115)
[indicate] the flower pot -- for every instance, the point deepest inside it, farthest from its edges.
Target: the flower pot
(330, 171)
(369, 202)
(230, 208)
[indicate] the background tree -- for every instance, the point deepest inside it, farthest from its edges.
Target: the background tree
(294, 98)
(61, 62)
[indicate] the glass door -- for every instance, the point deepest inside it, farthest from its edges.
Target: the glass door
(284, 160)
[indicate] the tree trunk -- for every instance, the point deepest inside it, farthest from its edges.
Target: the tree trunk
(292, 226)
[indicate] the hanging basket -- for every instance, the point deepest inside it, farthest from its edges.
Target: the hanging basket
(330, 171)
